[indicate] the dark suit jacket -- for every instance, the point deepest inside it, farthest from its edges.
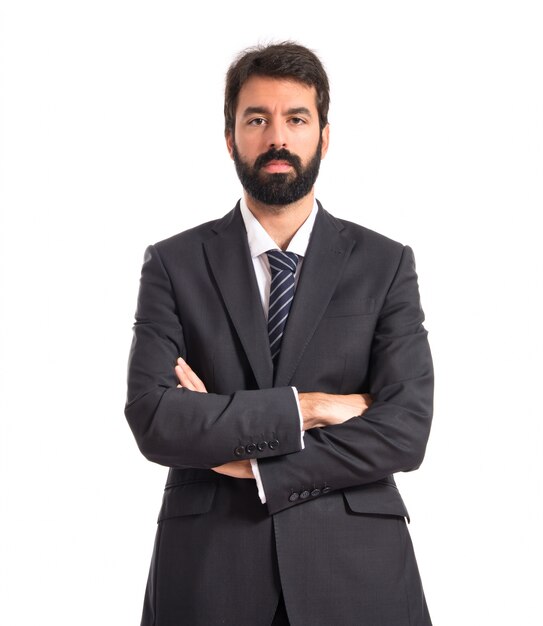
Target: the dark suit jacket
(332, 532)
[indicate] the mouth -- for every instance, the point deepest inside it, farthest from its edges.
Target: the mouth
(277, 167)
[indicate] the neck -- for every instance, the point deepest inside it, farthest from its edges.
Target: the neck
(281, 222)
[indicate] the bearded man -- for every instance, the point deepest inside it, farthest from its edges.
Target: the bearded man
(281, 370)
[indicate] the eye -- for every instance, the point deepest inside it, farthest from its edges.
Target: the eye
(297, 121)
(257, 121)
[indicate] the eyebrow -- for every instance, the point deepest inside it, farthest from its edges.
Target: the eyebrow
(264, 111)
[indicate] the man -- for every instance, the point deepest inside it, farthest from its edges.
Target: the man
(281, 370)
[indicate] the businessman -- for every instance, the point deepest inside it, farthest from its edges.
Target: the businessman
(281, 370)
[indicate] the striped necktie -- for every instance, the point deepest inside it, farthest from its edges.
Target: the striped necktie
(283, 270)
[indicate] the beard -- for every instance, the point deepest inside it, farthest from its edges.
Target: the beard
(281, 188)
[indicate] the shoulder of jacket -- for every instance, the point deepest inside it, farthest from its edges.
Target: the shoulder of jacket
(194, 236)
(365, 236)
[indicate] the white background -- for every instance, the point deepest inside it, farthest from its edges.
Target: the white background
(112, 138)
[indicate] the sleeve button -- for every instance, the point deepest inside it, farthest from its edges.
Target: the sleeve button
(273, 444)
(262, 445)
(304, 494)
(239, 451)
(316, 492)
(293, 496)
(250, 448)
(326, 489)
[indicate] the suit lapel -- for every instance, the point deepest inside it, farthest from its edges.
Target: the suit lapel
(232, 267)
(327, 253)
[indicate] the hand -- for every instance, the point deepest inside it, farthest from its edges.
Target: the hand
(236, 469)
(326, 409)
(189, 380)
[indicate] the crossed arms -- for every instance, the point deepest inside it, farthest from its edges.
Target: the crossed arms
(318, 410)
(349, 440)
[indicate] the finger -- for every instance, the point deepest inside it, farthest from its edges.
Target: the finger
(188, 378)
(184, 379)
(235, 469)
(197, 384)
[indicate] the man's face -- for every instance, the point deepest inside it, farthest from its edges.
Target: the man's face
(277, 145)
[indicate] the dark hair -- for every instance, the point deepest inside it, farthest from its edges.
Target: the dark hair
(280, 60)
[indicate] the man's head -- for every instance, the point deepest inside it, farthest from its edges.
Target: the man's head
(276, 121)
(282, 61)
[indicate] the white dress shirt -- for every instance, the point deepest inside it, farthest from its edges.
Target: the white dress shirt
(259, 243)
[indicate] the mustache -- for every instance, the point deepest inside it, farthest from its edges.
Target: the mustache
(278, 155)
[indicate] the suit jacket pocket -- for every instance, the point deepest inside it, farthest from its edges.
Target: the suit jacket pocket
(187, 499)
(381, 498)
(347, 307)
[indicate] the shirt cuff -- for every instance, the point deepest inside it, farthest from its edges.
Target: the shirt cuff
(260, 486)
(254, 462)
(302, 431)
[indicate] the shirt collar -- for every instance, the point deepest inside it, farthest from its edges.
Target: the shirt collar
(260, 241)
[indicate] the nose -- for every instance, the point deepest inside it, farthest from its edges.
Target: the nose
(276, 135)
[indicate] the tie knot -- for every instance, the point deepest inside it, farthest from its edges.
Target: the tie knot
(282, 261)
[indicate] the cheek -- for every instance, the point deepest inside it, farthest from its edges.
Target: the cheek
(305, 145)
(247, 147)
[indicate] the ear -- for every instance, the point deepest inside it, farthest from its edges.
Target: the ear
(230, 143)
(325, 140)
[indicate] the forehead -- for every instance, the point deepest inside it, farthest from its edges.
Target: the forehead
(273, 93)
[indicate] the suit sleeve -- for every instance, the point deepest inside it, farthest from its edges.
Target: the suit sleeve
(181, 428)
(392, 435)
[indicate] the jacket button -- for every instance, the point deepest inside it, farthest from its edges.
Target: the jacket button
(250, 448)
(316, 492)
(273, 444)
(326, 489)
(239, 451)
(261, 445)
(304, 494)
(293, 496)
